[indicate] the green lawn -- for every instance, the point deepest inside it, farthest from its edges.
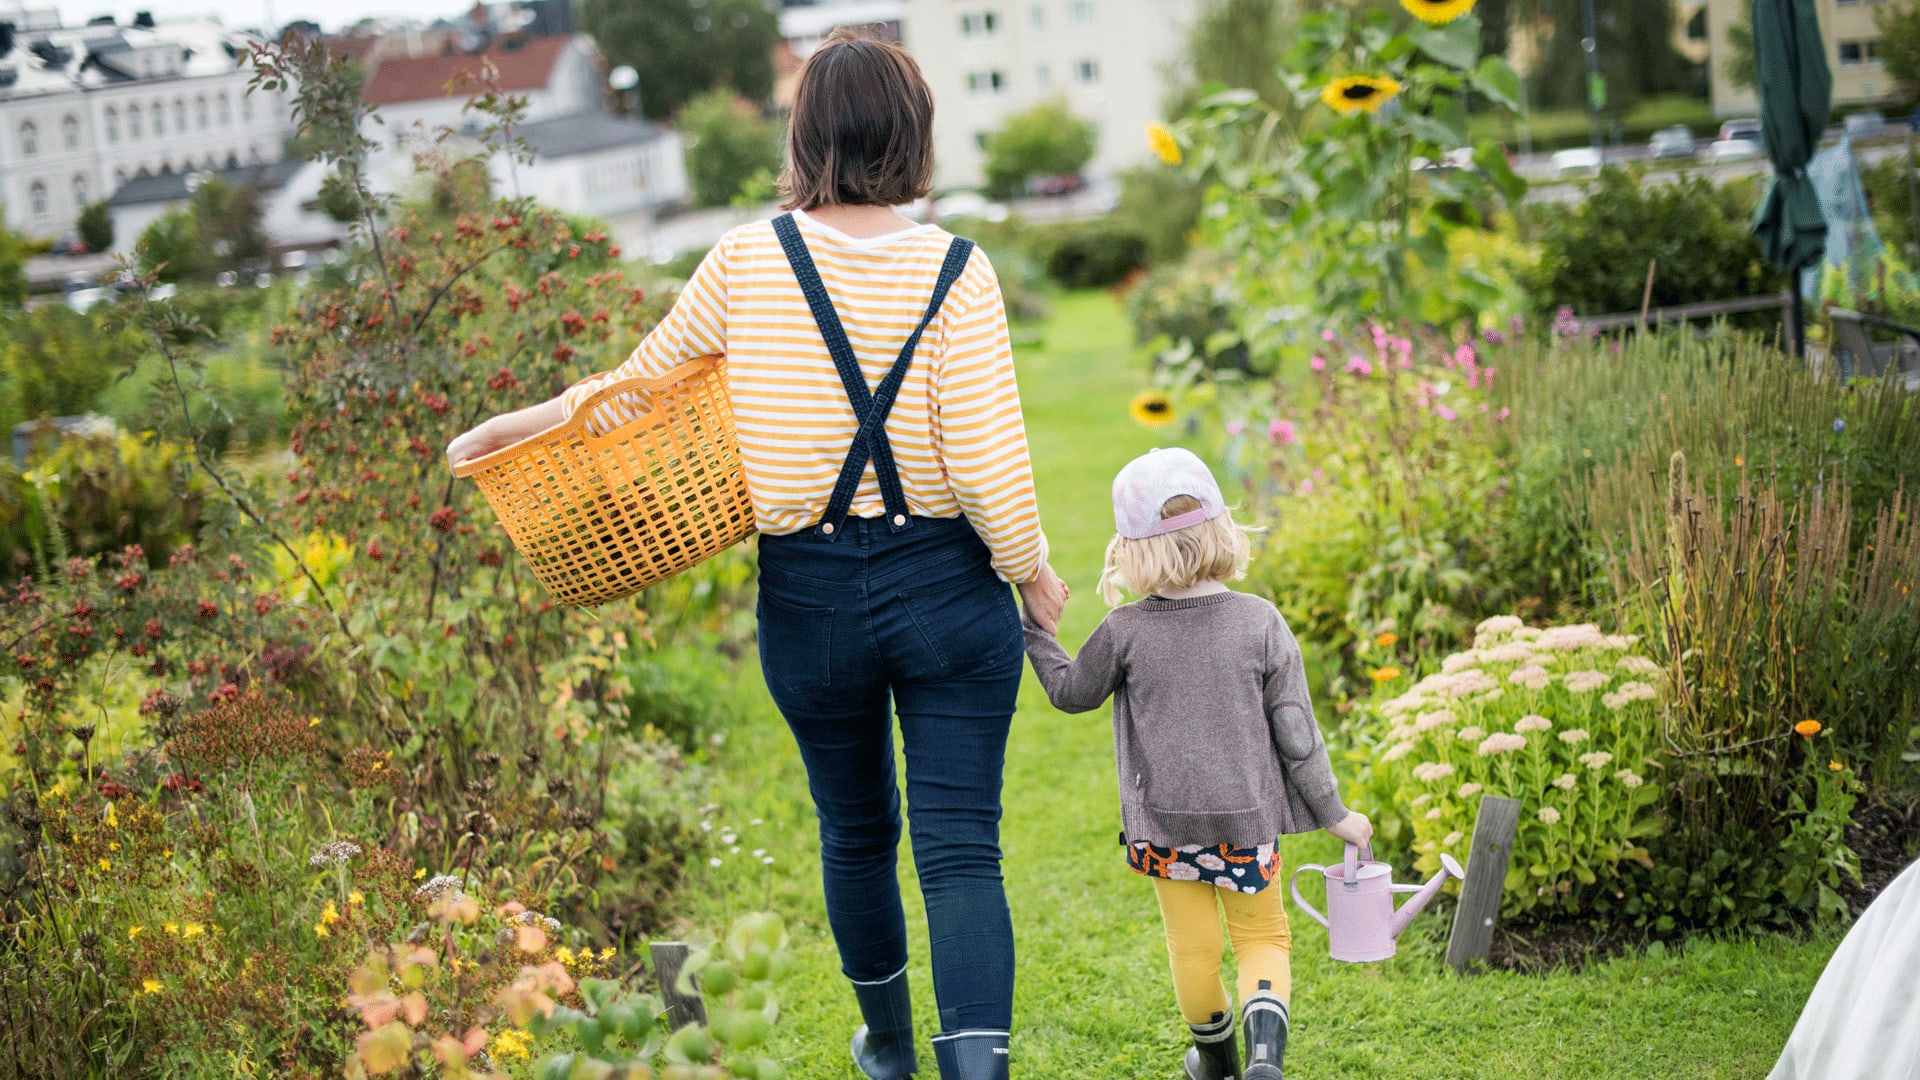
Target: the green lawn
(1094, 996)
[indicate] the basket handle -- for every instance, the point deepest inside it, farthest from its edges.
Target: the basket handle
(577, 423)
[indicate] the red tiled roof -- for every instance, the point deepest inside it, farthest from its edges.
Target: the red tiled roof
(527, 66)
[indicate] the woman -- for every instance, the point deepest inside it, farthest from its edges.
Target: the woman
(885, 549)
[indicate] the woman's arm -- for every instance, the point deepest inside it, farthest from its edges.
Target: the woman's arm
(695, 326)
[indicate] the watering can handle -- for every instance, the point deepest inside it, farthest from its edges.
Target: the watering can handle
(1294, 883)
(1355, 855)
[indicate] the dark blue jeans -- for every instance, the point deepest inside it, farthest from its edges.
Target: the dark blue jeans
(850, 629)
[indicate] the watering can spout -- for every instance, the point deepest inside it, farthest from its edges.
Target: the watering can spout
(1402, 918)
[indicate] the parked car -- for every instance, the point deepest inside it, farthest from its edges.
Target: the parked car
(1672, 142)
(1739, 140)
(1578, 159)
(968, 204)
(1864, 123)
(1061, 184)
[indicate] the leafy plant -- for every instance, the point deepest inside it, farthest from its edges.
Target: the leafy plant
(1046, 139)
(729, 144)
(95, 226)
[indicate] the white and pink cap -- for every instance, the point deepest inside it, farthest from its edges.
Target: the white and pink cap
(1149, 480)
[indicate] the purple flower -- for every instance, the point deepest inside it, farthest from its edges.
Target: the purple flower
(1235, 427)
(1306, 487)
(1487, 377)
(1517, 325)
(1282, 433)
(1565, 322)
(1465, 356)
(1494, 337)
(1839, 425)
(1358, 365)
(1318, 363)
(1445, 413)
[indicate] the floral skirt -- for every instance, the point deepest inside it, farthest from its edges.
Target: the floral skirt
(1242, 869)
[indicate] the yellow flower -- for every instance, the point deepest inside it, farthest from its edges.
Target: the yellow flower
(420, 873)
(1807, 728)
(113, 819)
(1387, 640)
(329, 915)
(313, 722)
(1835, 766)
(1357, 93)
(113, 845)
(192, 929)
(1385, 674)
(1437, 12)
(105, 866)
(510, 1044)
(151, 986)
(134, 932)
(606, 954)
(354, 897)
(166, 853)
(319, 930)
(564, 955)
(1165, 146)
(171, 928)
(1152, 408)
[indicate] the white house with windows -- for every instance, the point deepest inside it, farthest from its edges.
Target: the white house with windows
(86, 109)
(987, 59)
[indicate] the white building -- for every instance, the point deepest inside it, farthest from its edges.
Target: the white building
(84, 110)
(987, 59)
(804, 24)
(585, 161)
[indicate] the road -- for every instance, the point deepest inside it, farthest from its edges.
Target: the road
(1545, 188)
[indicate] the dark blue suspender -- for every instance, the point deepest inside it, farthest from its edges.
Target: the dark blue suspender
(871, 408)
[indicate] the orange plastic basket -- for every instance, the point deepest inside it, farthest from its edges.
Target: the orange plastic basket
(600, 517)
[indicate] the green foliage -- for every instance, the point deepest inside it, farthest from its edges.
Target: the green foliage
(729, 145)
(1899, 26)
(95, 226)
(13, 269)
(683, 48)
(1161, 204)
(1895, 216)
(89, 496)
(219, 229)
(1187, 304)
(1094, 256)
(171, 249)
(1594, 257)
(1233, 45)
(55, 361)
(1565, 719)
(1738, 64)
(1637, 56)
(1047, 139)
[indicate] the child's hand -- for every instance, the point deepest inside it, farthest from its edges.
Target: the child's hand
(1045, 597)
(1355, 829)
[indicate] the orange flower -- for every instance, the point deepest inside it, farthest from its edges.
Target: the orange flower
(1386, 639)
(1807, 728)
(1835, 766)
(1385, 674)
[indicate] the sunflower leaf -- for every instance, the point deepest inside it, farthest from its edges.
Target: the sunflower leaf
(1495, 79)
(1456, 44)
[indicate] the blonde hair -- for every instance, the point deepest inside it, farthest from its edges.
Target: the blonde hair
(1215, 550)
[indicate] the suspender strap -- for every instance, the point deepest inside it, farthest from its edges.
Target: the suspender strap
(871, 408)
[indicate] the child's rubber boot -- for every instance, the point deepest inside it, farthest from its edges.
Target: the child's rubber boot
(971, 1055)
(883, 1046)
(1215, 1054)
(1264, 1016)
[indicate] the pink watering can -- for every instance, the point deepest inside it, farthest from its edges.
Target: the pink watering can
(1361, 922)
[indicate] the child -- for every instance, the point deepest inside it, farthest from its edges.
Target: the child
(1216, 744)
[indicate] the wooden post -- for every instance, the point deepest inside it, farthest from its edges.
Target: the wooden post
(1486, 878)
(668, 958)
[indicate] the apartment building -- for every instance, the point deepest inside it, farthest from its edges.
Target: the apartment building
(86, 109)
(1853, 52)
(1112, 60)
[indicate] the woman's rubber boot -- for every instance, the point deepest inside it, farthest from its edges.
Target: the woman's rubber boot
(1215, 1054)
(883, 1046)
(971, 1055)
(1264, 1016)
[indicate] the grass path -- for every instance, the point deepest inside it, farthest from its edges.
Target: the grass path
(1094, 996)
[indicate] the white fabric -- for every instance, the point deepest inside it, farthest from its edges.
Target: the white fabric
(1148, 481)
(1863, 1020)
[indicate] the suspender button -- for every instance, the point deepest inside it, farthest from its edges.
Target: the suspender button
(826, 530)
(899, 520)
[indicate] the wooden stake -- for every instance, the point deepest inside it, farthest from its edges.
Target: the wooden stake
(1487, 861)
(1646, 297)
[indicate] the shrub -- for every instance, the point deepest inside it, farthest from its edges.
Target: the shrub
(90, 496)
(1162, 205)
(1094, 256)
(55, 361)
(728, 144)
(1565, 719)
(1594, 256)
(1188, 304)
(95, 227)
(1044, 140)
(13, 269)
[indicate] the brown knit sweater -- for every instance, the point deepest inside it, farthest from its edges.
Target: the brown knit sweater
(1213, 730)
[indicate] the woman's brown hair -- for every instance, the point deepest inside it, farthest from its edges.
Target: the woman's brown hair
(861, 132)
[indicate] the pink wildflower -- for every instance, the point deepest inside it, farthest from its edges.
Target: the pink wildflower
(1358, 365)
(1318, 363)
(1235, 427)
(1445, 413)
(1282, 433)
(1326, 335)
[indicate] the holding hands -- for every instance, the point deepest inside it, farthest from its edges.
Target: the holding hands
(1044, 598)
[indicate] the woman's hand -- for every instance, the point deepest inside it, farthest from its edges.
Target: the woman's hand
(503, 431)
(479, 442)
(1355, 829)
(1045, 597)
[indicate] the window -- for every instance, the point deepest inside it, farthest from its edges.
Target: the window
(1087, 71)
(70, 133)
(1080, 12)
(986, 83)
(159, 118)
(133, 121)
(246, 108)
(980, 139)
(37, 195)
(979, 25)
(113, 125)
(225, 108)
(80, 191)
(180, 115)
(1039, 17)
(200, 112)
(1853, 53)
(29, 139)
(1044, 76)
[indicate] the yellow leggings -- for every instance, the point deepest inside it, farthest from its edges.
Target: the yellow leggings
(1257, 925)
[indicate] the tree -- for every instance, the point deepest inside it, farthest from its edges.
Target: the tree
(1899, 26)
(1046, 140)
(1738, 65)
(13, 270)
(219, 229)
(170, 248)
(683, 47)
(1637, 57)
(95, 227)
(1237, 44)
(728, 144)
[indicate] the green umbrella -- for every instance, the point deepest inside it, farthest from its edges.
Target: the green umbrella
(1796, 93)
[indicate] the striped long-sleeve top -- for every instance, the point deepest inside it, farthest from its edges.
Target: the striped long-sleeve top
(956, 428)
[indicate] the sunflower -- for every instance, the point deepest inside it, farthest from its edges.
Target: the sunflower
(1163, 144)
(1152, 408)
(1437, 12)
(1360, 92)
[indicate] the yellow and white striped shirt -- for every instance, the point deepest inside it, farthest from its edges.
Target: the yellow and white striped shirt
(956, 429)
